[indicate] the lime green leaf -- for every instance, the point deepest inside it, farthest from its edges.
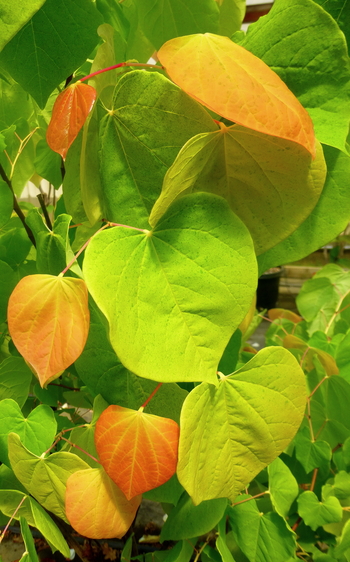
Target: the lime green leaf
(8, 282)
(342, 357)
(342, 485)
(316, 513)
(231, 16)
(15, 379)
(311, 454)
(14, 16)
(90, 177)
(187, 304)
(14, 103)
(71, 183)
(283, 487)
(151, 118)
(258, 410)
(36, 516)
(261, 537)
(344, 541)
(340, 11)
(249, 169)
(6, 203)
(164, 20)
(221, 544)
(329, 217)
(9, 480)
(29, 554)
(51, 46)
(182, 552)
(48, 163)
(187, 520)
(313, 63)
(44, 478)
(37, 431)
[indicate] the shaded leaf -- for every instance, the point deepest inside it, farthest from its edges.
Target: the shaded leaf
(249, 169)
(6, 203)
(137, 450)
(261, 102)
(195, 300)
(7, 284)
(15, 379)
(14, 16)
(29, 554)
(311, 454)
(231, 16)
(170, 492)
(58, 335)
(69, 114)
(48, 164)
(275, 313)
(95, 506)
(344, 541)
(258, 410)
(316, 513)
(283, 487)
(221, 543)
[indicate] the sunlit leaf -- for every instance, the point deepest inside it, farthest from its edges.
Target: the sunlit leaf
(245, 90)
(69, 114)
(270, 183)
(283, 487)
(14, 15)
(316, 513)
(95, 506)
(30, 554)
(49, 322)
(258, 410)
(137, 450)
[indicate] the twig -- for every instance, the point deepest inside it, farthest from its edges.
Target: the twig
(44, 210)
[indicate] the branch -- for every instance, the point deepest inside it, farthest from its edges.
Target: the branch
(16, 207)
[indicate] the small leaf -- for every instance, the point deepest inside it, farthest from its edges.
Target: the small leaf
(30, 554)
(275, 313)
(15, 379)
(69, 114)
(283, 487)
(326, 360)
(231, 81)
(49, 322)
(95, 506)
(316, 513)
(311, 454)
(137, 450)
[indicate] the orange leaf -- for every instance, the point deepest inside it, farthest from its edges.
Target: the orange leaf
(236, 84)
(69, 114)
(137, 450)
(48, 320)
(275, 313)
(96, 508)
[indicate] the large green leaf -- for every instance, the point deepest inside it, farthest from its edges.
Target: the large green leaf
(316, 513)
(150, 121)
(35, 515)
(261, 537)
(283, 487)
(326, 221)
(56, 41)
(242, 425)
(44, 478)
(270, 183)
(305, 47)
(15, 379)
(166, 19)
(340, 11)
(186, 520)
(37, 431)
(172, 308)
(14, 15)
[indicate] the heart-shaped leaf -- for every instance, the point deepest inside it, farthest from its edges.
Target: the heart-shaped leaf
(49, 322)
(44, 478)
(137, 450)
(69, 114)
(95, 506)
(237, 85)
(316, 513)
(172, 308)
(15, 379)
(270, 183)
(258, 410)
(37, 431)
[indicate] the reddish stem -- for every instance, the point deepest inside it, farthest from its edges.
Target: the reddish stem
(12, 517)
(249, 499)
(80, 449)
(296, 524)
(120, 65)
(313, 481)
(80, 251)
(151, 396)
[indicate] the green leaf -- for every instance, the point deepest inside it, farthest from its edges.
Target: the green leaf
(9, 480)
(164, 20)
(315, 513)
(342, 485)
(231, 16)
(15, 379)
(283, 487)
(14, 243)
(311, 454)
(71, 183)
(342, 357)
(14, 16)
(221, 544)
(48, 163)
(14, 104)
(151, 118)
(55, 42)
(170, 492)
(313, 62)
(8, 282)
(183, 305)
(258, 410)
(6, 203)
(37, 431)
(21, 154)
(44, 478)
(116, 42)
(36, 516)
(344, 541)
(187, 520)
(270, 183)
(328, 218)
(340, 11)
(229, 358)
(261, 537)
(29, 554)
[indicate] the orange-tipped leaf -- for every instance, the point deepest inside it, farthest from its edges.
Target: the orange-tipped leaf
(137, 450)
(275, 313)
(69, 114)
(48, 320)
(96, 508)
(236, 84)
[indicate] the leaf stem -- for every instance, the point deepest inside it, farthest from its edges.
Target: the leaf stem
(318, 385)
(12, 517)
(313, 481)
(251, 498)
(81, 250)
(120, 65)
(150, 397)
(80, 449)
